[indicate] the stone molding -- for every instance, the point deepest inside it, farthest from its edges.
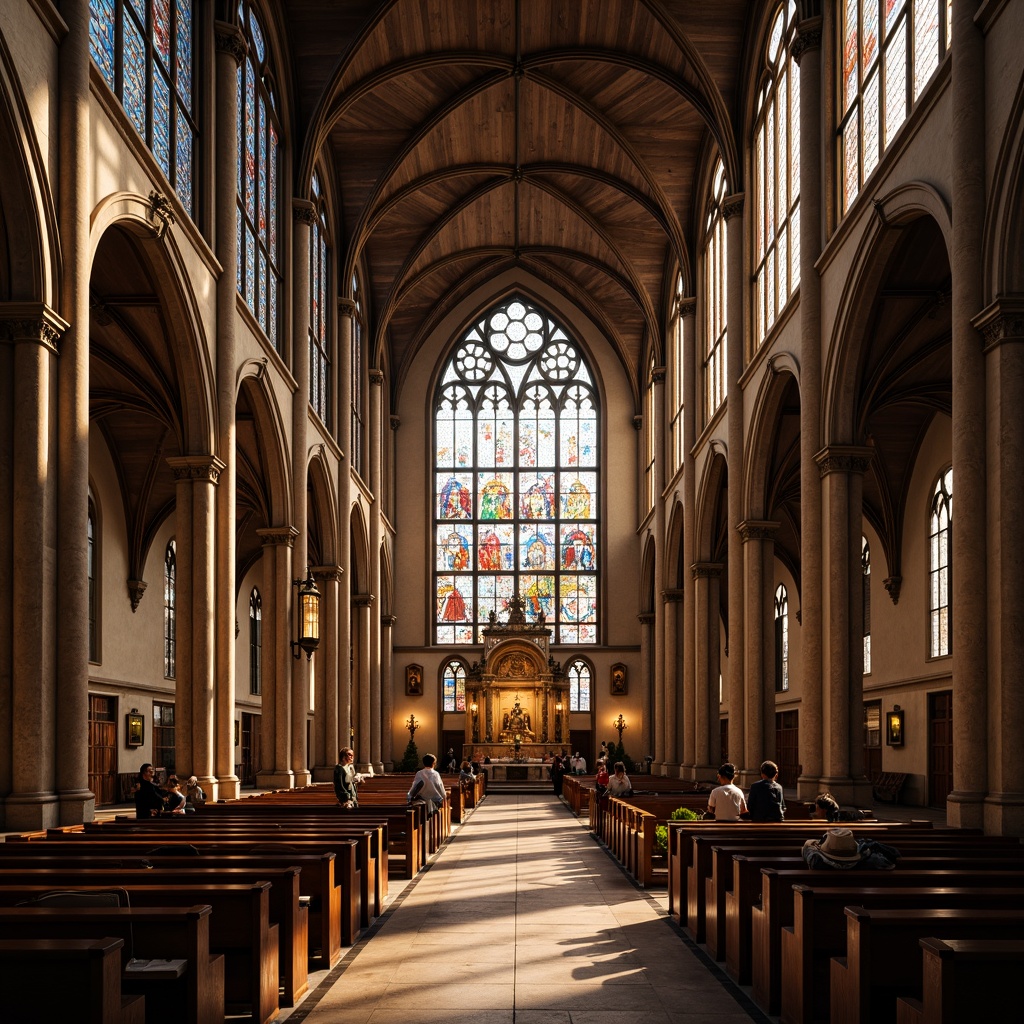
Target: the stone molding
(893, 585)
(199, 468)
(377, 377)
(31, 322)
(732, 206)
(688, 306)
(808, 37)
(304, 211)
(673, 596)
(758, 529)
(844, 458)
(388, 621)
(272, 536)
(362, 600)
(706, 570)
(136, 588)
(1001, 322)
(645, 618)
(231, 40)
(346, 307)
(327, 572)
(658, 375)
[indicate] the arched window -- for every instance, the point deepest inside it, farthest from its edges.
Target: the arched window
(676, 366)
(889, 49)
(146, 53)
(940, 565)
(319, 310)
(453, 686)
(781, 639)
(777, 175)
(865, 568)
(357, 386)
(516, 478)
(91, 563)
(170, 623)
(259, 135)
(579, 676)
(255, 643)
(715, 319)
(652, 431)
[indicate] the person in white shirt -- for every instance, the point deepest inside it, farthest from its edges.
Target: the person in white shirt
(726, 802)
(578, 763)
(428, 786)
(618, 783)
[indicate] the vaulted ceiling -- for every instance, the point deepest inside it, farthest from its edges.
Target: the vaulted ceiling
(564, 138)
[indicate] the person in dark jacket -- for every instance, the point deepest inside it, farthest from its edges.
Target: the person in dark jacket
(765, 801)
(149, 801)
(346, 779)
(557, 774)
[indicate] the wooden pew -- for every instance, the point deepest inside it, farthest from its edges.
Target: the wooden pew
(179, 884)
(240, 930)
(176, 932)
(883, 955)
(965, 979)
(90, 968)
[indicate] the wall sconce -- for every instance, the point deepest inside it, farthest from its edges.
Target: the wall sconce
(412, 725)
(309, 616)
(894, 727)
(620, 724)
(474, 708)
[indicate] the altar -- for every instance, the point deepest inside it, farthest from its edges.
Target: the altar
(517, 771)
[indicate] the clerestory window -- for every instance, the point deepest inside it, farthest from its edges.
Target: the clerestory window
(715, 282)
(940, 565)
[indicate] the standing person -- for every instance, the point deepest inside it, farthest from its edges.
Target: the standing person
(451, 764)
(726, 802)
(557, 774)
(765, 800)
(618, 782)
(346, 779)
(428, 786)
(149, 801)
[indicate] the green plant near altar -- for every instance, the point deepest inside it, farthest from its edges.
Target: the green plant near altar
(661, 831)
(411, 759)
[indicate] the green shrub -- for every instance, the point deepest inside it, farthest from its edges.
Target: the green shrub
(411, 760)
(661, 831)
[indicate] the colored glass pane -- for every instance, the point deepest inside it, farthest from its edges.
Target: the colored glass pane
(537, 496)
(134, 65)
(926, 42)
(162, 123)
(495, 496)
(869, 128)
(577, 547)
(183, 52)
(455, 496)
(454, 548)
(496, 550)
(536, 547)
(183, 162)
(868, 34)
(495, 440)
(101, 38)
(162, 30)
(851, 82)
(896, 81)
(578, 497)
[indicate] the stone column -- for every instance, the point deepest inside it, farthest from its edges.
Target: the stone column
(1003, 327)
(707, 662)
(648, 660)
(732, 209)
(230, 52)
(276, 714)
(971, 602)
(672, 600)
(387, 702)
(691, 361)
(807, 51)
(325, 721)
(654, 731)
(362, 603)
(346, 725)
(29, 335)
(376, 512)
(758, 548)
(77, 803)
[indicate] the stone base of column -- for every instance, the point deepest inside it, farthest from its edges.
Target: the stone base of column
(808, 787)
(746, 777)
(275, 780)
(687, 772)
(229, 788)
(851, 792)
(965, 810)
(77, 806)
(303, 778)
(30, 812)
(389, 767)
(1004, 814)
(323, 773)
(706, 774)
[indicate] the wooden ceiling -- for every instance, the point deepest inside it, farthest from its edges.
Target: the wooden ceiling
(561, 138)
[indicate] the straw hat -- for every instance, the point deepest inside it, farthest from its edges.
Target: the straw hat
(838, 846)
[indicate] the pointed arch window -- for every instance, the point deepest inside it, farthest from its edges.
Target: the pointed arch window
(453, 685)
(580, 678)
(91, 567)
(170, 620)
(516, 478)
(715, 281)
(255, 643)
(940, 566)
(651, 434)
(676, 398)
(319, 310)
(357, 388)
(145, 51)
(259, 138)
(781, 639)
(889, 50)
(777, 175)
(865, 568)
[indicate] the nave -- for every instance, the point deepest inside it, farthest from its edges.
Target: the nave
(523, 918)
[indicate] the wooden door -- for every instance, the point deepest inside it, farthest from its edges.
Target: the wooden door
(103, 749)
(872, 739)
(787, 746)
(940, 747)
(454, 738)
(250, 748)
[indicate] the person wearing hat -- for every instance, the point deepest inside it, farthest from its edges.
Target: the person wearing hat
(837, 848)
(726, 802)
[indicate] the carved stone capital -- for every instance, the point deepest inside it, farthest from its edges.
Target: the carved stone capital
(198, 468)
(808, 37)
(844, 458)
(326, 573)
(31, 322)
(758, 529)
(376, 377)
(396, 422)
(645, 618)
(273, 536)
(1002, 322)
(706, 570)
(362, 600)
(136, 588)
(388, 621)
(892, 585)
(688, 306)
(304, 211)
(732, 206)
(230, 39)
(673, 596)
(658, 375)
(346, 307)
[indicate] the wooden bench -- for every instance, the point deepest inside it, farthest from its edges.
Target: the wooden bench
(90, 968)
(176, 932)
(883, 955)
(965, 979)
(240, 930)
(888, 786)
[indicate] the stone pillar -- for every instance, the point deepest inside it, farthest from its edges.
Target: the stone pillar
(758, 549)
(325, 721)
(1003, 327)
(376, 512)
(387, 702)
(275, 718)
(842, 469)
(672, 600)
(648, 661)
(231, 48)
(707, 661)
(362, 603)
(807, 51)
(29, 335)
(654, 729)
(732, 209)
(691, 361)
(77, 803)
(971, 604)
(195, 604)
(346, 725)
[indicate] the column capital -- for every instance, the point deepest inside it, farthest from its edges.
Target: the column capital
(706, 570)
(673, 596)
(758, 529)
(808, 37)
(362, 600)
(388, 621)
(136, 588)
(199, 468)
(275, 536)
(377, 377)
(346, 307)
(893, 585)
(395, 421)
(1002, 321)
(732, 206)
(332, 573)
(304, 211)
(688, 306)
(638, 423)
(645, 618)
(843, 458)
(31, 322)
(658, 375)
(230, 39)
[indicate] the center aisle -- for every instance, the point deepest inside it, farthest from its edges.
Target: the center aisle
(524, 919)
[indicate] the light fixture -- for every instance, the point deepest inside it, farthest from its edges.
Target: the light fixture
(558, 721)
(309, 616)
(412, 725)
(474, 708)
(894, 727)
(620, 724)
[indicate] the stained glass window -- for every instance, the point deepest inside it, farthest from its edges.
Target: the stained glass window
(781, 639)
(319, 310)
(940, 565)
(453, 686)
(145, 51)
(579, 676)
(777, 175)
(170, 619)
(890, 51)
(516, 479)
(255, 642)
(357, 388)
(676, 370)
(259, 133)
(715, 282)
(865, 568)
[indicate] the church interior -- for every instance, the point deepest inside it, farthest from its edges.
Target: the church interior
(512, 376)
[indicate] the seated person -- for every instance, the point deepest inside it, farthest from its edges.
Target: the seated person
(824, 807)
(765, 800)
(726, 802)
(174, 802)
(149, 801)
(618, 782)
